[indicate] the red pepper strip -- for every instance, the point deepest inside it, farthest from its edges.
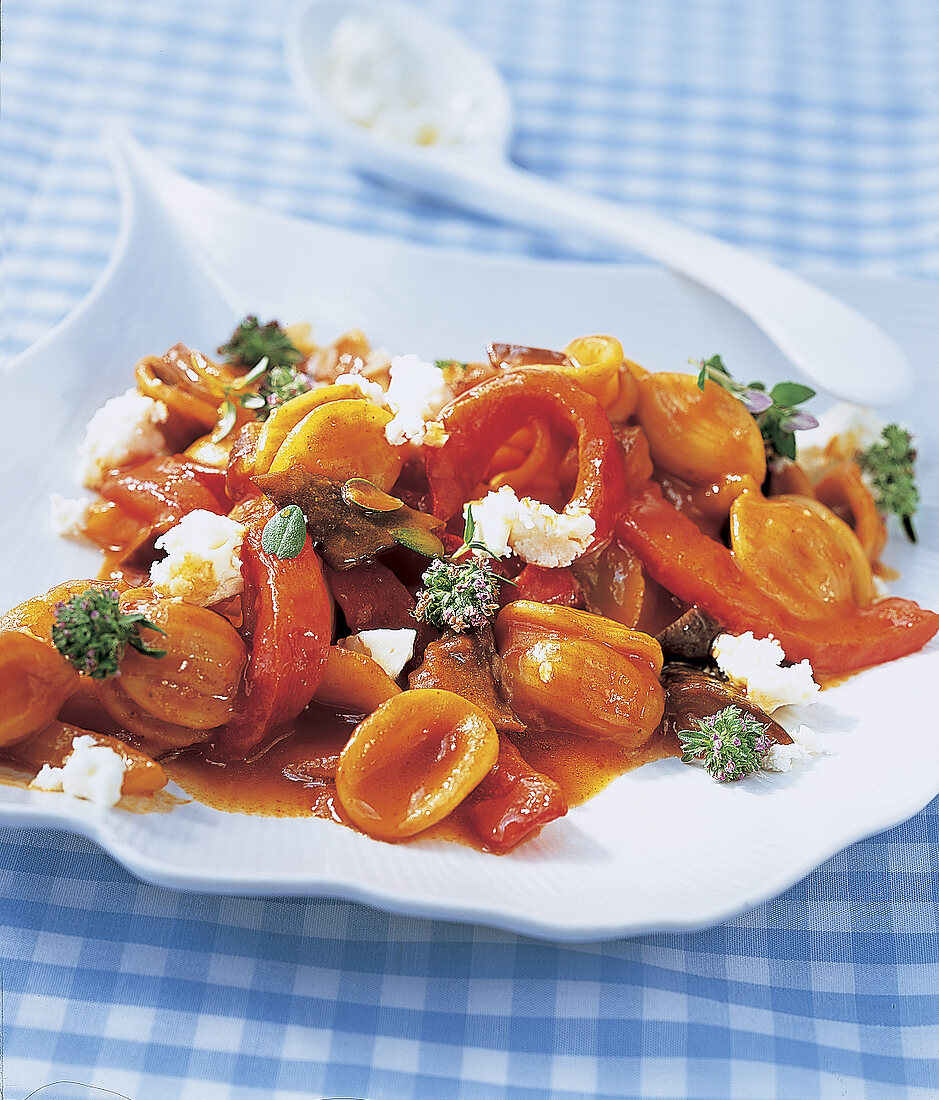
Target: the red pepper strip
(288, 619)
(161, 490)
(372, 597)
(480, 419)
(553, 586)
(513, 801)
(702, 571)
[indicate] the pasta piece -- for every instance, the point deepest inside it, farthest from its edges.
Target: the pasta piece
(800, 553)
(174, 700)
(571, 672)
(703, 436)
(343, 439)
(413, 761)
(354, 683)
(35, 680)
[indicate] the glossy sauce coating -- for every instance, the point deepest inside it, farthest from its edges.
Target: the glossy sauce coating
(294, 777)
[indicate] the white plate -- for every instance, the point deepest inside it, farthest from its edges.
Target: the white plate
(662, 848)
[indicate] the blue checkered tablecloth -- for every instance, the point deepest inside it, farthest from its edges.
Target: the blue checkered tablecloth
(807, 130)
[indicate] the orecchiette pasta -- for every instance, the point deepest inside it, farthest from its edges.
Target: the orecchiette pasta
(370, 658)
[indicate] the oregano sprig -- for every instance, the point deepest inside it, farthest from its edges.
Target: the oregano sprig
(890, 464)
(251, 342)
(92, 632)
(730, 744)
(269, 356)
(236, 396)
(776, 411)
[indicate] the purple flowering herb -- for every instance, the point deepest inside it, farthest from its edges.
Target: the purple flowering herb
(92, 632)
(730, 744)
(756, 401)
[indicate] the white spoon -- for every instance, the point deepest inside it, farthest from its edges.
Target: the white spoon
(408, 79)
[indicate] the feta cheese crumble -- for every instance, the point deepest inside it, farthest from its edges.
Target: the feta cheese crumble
(392, 649)
(805, 744)
(416, 394)
(371, 391)
(532, 530)
(755, 664)
(90, 771)
(68, 516)
(203, 560)
(123, 429)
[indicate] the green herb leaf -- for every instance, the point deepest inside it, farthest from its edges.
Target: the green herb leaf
(469, 528)
(730, 744)
(256, 372)
(712, 368)
(782, 442)
(890, 463)
(251, 342)
(775, 412)
(284, 534)
(789, 393)
(92, 633)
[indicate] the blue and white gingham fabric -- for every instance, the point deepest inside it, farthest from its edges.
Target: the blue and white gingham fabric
(807, 130)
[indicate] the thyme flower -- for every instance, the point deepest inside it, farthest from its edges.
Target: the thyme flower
(280, 384)
(730, 744)
(458, 596)
(92, 632)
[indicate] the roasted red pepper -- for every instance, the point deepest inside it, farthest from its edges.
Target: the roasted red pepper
(482, 418)
(372, 598)
(702, 571)
(288, 623)
(513, 801)
(162, 489)
(554, 586)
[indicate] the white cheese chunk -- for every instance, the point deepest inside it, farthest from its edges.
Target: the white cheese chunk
(805, 744)
(90, 771)
(68, 515)
(755, 664)
(203, 560)
(416, 394)
(123, 429)
(392, 649)
(530, 529)
(371, 391)
(542, 536)
(493, 517)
